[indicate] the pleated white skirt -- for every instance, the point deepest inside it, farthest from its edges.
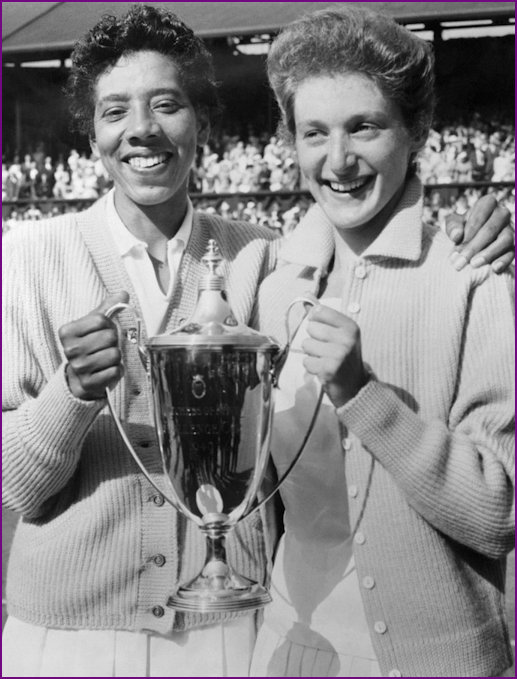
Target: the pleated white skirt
(222, 650)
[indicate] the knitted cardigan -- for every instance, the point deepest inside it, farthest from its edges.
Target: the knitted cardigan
(84, 553)
(428, 442)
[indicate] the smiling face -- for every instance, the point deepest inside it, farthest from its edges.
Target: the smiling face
(146, 131)
(353, 149)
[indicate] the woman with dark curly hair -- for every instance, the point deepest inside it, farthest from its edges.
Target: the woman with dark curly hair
(98, 551)
(399, 514)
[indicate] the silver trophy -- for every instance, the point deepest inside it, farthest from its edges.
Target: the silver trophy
(212, 385)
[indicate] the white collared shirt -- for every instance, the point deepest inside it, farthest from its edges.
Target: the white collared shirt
(133, 251)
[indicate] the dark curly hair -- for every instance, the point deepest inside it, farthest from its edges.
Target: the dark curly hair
(350, 39)
(143, 28)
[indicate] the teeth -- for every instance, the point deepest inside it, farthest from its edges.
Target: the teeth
(147, 161)
(349, 186)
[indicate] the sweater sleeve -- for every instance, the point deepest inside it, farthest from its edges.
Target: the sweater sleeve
(43, 424)
(458, 475)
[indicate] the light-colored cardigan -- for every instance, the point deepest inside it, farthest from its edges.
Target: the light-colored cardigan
(430, 471)
(83, 553)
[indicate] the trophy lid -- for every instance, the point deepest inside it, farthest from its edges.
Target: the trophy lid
(213, 323)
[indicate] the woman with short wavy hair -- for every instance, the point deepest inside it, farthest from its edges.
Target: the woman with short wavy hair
(399, 514)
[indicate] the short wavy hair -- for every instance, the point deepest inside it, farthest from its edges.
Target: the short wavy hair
(143, 27)
(349, 39)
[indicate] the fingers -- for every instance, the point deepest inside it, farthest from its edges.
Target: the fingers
(502, 263)
(93, 322)
(91, 347)
(455, 227)
(333, 354)
(486, 237)
(328, 316)
(94, 372)
(490, 246)
(76, 347)
(486, 215)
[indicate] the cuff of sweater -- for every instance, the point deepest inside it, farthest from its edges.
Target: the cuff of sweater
(57, 417)
(383, 423)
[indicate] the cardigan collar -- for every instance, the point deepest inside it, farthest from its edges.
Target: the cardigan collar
(312, 243)
(97, 236)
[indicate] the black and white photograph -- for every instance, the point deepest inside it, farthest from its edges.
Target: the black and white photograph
(258, 322)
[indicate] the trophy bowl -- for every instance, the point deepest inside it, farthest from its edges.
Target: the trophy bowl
(212, 385)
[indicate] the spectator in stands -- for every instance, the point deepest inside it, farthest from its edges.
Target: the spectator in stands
(46, 179)
(14, 180)
(399, 514)
(61, 188)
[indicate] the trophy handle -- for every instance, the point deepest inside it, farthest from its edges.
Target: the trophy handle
(277, 368)
(281, 358)
(120, 306)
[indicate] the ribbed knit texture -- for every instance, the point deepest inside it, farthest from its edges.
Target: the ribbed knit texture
(432, 434)
(82, 556)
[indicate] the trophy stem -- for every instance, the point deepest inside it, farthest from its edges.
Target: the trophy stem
(218, 587)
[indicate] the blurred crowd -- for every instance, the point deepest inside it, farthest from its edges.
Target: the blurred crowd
(230, 165)
(38, 176)
(479, 151)
(461, 153)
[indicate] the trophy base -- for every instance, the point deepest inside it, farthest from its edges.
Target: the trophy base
(203, 595)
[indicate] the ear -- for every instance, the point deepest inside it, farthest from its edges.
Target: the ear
(93, 146)
(418, 144)
(203, 128)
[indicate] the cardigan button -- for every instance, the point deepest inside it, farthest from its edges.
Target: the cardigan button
(158, 500)
(132, 335)
(354, 308)
(346, 443)
(352, 491)
(158, 611)
(360, 271)
(359, 538)
(368, 582)
(159, 560)
(380, 627)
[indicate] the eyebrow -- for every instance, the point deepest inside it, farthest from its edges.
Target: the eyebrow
(360, 115)
(124, 96)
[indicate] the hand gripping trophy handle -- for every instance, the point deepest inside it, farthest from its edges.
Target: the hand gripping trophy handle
(212, 385)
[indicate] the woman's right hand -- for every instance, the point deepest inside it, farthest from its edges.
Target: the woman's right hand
(333, 354)
(91, 346)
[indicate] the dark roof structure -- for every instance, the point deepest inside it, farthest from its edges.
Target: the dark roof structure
(50, 27)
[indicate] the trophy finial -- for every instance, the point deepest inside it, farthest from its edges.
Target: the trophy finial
(212, 280)
(212, 259)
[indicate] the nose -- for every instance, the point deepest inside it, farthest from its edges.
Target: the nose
(141, 124)
(341, 155)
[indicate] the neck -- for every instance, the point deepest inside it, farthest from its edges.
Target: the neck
(361, 237)
(154, 224)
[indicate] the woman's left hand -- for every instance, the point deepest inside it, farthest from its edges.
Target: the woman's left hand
(333, 354)
(485, 237)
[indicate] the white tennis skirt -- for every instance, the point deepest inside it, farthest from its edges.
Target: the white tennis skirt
(222, 650)
(277, 656)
